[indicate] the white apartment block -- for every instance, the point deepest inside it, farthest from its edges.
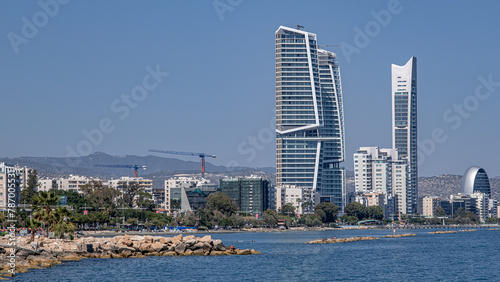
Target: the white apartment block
(182, 181)
(381, 171)
(482, 205)
(429, 205)
(12, 180)
(46, 185)
(73, 183)
(295, 195)
(145, 185)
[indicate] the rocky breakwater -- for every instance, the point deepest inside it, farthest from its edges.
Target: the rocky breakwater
(400, 235)
(341, 240)
(443, 232)
(48, 252)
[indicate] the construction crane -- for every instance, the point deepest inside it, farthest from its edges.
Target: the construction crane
(201, 155)
(135, 167)
(329, 45)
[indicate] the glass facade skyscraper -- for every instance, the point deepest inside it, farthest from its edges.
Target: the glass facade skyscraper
(309, 117)
(404, 125)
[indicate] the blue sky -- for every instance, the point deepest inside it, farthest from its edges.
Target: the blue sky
(74, 62)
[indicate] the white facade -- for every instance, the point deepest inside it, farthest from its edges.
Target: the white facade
(309, 117)
(294, 195)
(45, 185)
(145, 185)
(74, 183)
(404, 125)
(380, 170)
(482, 205)
(11, 179)
(429, 205)
(181, 181)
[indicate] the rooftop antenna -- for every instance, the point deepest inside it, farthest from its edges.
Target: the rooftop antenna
(299, 27)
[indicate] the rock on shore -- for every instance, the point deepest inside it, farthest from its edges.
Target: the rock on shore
(400, 235)
(443, 232)
(54, 251)
(341, 240)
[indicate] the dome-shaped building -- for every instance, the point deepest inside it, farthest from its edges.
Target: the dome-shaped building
(475, 180)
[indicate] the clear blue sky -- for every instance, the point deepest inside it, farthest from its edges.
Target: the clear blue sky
(219, 93)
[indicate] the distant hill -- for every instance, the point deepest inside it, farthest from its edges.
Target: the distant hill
(442, 185)
(157, 167)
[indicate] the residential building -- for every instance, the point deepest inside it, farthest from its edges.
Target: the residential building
(298, 197)
(429, 205)
(145, 185)
(46, 184)
(182, 181)
(249, 194)
(73, 183)
(404, 128)
(482, 208)
(309, 117)
(11, 179)
(381, 171)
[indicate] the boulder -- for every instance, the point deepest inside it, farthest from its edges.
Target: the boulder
(189, 237)
(136, 238)
(216, 253)
(243, 252)
(199, 252)
(180, 248)
(196, 246)
(207, 247)
(188, 252)
(206, 238)
(190, 242)
(169, 253)
(254, 252)
(145, 247)
(177, 239)
(124, 248)
(158, 247)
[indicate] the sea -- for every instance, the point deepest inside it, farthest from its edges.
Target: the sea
(462, 256)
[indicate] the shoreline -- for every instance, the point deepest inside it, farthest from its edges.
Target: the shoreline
(105, 233)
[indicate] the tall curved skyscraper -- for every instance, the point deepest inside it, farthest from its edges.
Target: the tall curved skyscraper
(310, 138)
(404, 131)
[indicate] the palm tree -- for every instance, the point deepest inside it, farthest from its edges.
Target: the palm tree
(43, 203)
(60, 221)
(33, 224)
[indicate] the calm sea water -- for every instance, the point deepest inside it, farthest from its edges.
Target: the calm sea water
(464, 256)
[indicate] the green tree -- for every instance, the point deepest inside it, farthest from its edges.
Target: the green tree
(221, 202)
(129, 192)
(33, 224)
(270, 217)
(29, 192)
(439, 212)
(330, 212)
(101, 197)
(145, 201)
(357, 210)
(75, 199)
(60, 222)
(287, 209)
(43, 204)
(375, 212)
(175, 204)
